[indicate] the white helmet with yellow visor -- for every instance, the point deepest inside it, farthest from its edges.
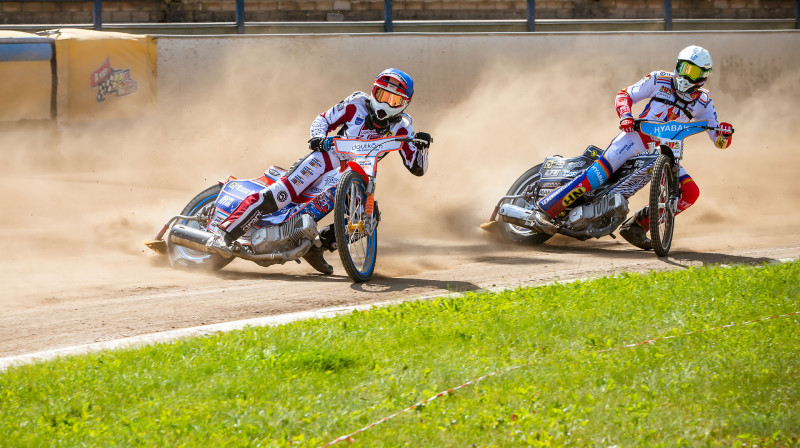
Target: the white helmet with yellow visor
(691, 70)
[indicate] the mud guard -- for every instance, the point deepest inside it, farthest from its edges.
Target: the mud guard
(357, 168)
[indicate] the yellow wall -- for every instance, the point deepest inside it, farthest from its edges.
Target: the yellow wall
(105, 75)
(25, 90)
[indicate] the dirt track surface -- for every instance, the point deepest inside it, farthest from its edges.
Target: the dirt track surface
(140, 294)
(79, 203)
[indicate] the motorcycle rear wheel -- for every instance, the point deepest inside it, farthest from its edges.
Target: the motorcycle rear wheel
(183, 257)
(519, 234)
(358, 249)
(662, 195)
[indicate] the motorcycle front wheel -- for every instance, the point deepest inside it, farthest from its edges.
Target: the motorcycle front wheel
(518, 234)
(356, 237)
(662, 196)
(201, 206)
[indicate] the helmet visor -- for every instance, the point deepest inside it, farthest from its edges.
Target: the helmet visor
(385, 96)
(692, 72)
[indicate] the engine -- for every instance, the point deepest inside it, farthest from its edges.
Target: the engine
(285, 236)
(608, 207)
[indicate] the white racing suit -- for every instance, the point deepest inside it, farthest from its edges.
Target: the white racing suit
(353, 118)
(663, 105)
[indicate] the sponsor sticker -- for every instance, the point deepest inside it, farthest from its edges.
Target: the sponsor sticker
(573, 196)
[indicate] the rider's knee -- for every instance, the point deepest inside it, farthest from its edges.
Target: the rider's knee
(689, 193)
(689, 190)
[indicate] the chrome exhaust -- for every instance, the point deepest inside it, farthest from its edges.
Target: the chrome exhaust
(191, 237)
(197, 239)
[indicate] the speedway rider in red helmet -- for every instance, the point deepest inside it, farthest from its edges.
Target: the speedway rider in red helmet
(360, 115)
(671, 96)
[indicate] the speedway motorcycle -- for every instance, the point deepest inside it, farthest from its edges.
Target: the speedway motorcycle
(600, 212)
(287, 234)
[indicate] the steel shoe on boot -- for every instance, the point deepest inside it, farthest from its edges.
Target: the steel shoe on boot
(219, 244)
(635, 234)
(317, 261)
(542, 221)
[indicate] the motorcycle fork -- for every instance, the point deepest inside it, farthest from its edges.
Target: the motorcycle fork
(676, 187)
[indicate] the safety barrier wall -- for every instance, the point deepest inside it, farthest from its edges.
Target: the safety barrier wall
(446, 65)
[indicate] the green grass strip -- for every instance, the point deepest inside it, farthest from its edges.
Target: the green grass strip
(307, 383)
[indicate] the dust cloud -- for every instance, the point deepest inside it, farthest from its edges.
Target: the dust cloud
(80, 198)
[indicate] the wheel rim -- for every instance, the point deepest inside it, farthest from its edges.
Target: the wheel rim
(202, 208)
(359, 242)
(522, 231)
(665, 213)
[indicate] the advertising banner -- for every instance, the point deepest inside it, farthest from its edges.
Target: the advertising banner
(104, 75)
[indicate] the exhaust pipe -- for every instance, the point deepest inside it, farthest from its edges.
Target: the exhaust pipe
(190, 237)
(196, 239)
(514, 214)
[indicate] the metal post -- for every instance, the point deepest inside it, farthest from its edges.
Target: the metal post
(240, 16)
(97, 15)
(54, 81)
(387, 16)
(668, 15)
(532, 15)
(797, 14)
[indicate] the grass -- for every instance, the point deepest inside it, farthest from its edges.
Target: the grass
(307, 383)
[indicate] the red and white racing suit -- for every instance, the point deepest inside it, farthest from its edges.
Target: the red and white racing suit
(663, 105)
(353, 118)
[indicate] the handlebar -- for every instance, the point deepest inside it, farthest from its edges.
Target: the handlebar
(328, 143)
(638, 121)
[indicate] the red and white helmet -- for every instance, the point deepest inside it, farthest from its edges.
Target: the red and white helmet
(691, 70)
(391, 93)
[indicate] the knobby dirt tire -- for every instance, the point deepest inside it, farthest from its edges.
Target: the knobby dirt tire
(183, 257)
(357, 249)
(662, 194)
(518, 234)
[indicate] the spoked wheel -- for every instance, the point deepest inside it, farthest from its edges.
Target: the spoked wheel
(520, 234)
(356, 231)
(661, 211)
(202, 206)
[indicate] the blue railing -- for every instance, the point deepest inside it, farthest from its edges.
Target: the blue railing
(97, 14)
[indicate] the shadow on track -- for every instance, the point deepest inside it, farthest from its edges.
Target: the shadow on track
(712, 259)
(384, 284)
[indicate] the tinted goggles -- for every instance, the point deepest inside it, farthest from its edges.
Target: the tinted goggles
(392, 99)
(694, 73)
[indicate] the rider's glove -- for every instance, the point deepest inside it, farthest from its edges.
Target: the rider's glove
(724, 135)
(426, 140)
(327, 144)
(315, 144)
(626, 124)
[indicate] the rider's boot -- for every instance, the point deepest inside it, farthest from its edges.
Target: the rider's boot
(542, 221)
(634, 233)
(317, 261)
(220, 243)
(328, 238)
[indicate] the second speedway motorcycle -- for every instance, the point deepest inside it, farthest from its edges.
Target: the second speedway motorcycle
(288, 234)
(600, 212)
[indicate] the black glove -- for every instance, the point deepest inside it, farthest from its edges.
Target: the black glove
(316, 144)
(426, 138)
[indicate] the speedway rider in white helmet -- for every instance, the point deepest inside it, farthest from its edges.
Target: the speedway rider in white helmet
(360, 115)
(671, 96)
